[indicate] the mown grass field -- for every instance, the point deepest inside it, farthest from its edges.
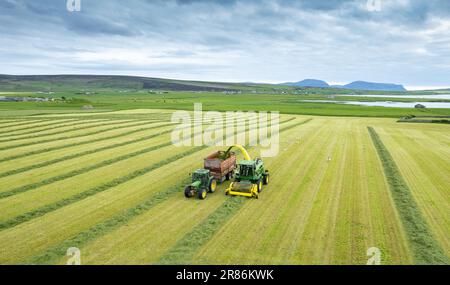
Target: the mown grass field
(111, 184)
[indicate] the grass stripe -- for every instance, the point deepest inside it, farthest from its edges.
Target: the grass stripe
(75, 136)
(55, 253)
(83, 127)
(184, 250)
(55, 125)
(425, 249)
(97, 189)
(44, 150)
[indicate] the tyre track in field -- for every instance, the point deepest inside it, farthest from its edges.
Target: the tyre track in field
(75, 198)
(54, 253)
(82, 143)
(75, 136)
(425, 249)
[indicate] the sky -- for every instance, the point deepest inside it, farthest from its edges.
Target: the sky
(392, 41)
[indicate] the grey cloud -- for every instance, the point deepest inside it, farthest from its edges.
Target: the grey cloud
(261, 39)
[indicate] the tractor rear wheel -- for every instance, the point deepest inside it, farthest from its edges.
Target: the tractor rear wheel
(202, 194)
(188, 192)
(212, 185)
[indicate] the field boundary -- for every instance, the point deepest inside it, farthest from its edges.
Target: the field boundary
(425, 249)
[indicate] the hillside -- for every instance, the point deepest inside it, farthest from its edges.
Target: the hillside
(356, 85)
(308, 83)
(95, 82)
(363, 85)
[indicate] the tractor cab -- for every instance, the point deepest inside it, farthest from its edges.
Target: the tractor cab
(246, 170)
(202, 176)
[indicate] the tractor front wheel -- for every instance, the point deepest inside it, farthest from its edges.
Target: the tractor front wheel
(188, 192)
(202, 194)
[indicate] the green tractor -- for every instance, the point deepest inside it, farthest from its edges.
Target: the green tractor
(202, 182)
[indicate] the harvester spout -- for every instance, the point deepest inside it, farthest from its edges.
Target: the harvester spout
(242, 149)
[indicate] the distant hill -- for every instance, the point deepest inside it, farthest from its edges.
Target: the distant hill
(356, 85)
(363, 85)
(309, 83)
(36, 83)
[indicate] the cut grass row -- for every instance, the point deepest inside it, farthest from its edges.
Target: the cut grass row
(268, 209)
(59, 147)
(38, 133)
(80, 154)
(142, 238)
(53, 254)
(83, 153)
(306, 220)
(79, 171)
(65, 129)
(425, 249)
(10, 127)
(123, 125)
(184, 250)
(80, 196)
(422, 158)
(65, 176)
(114, 202)
(54, 125)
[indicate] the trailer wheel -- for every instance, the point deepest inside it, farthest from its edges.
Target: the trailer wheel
(202, 194)
(188, 193)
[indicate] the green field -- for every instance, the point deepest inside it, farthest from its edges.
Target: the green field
(111, 184)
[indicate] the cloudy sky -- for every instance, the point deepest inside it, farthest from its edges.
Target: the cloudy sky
(396, 41)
